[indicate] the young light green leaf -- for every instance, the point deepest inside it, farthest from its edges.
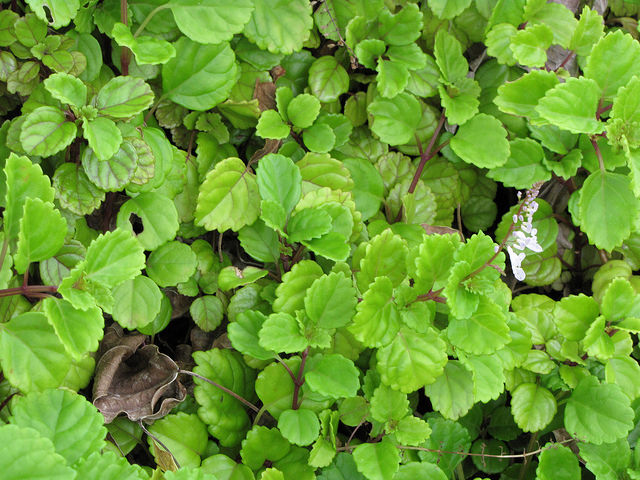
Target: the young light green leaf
(385, 256)
(232, 277)
(412, 360)
(395, 120)
(195, 65)
(207, 312)
(307, 224)
(330, 302)
(281, 26)
(279, 180)
(228, 197)
(114, 257)
(75, 191)
(159, 219)
(614, 60)
(103, 136)
(303, 110)
(108, 466)
(67, 89)
(448, 53)
(211, 21)
(533, 407)
(574, 314)
(460, 100)
(271, 125)
(623, 371)
(27, 454)
(608, 208)
(328, 79)
(185, 435)
(243, 334)
(598, 413)
(124, 97)
(402, 27)
(377, 461)
(147, 50)
(261, 242)
(558, 462)
(319, 137)
(32, 356)
(482, 142)
(521, 96)
(137, 302)
(320, 170)
(333, 375)
(524, 167)
(392, 78)
(498, 43)
(280, 332)
(448, 9)
(300, 427)
(377, 320)
(41, 235)
(572, 106)
(388, 404)
(291, 292)
(368, 187)
(588, 31)
(59, 415)
(46, 131)
(452, 392)
(80, 331)
(530, 45)
(171, 263)
(58, 13)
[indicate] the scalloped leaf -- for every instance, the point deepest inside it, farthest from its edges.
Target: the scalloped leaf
(291, 292)
(330, 301)
(482, 141)
(279, 180)
(300, 427)
(211, 21)
(280, 332)
(75, 191)
(59, 415)
(328, 79)
(114, 257)
(557, 462)
(124, 97)
(185, 435)
(377, 320)
(533, 407)
(46, 131)
(452, 392)
(66, 88)
(412, 360)
(115, 172)
(108, 466)
(598, 413)
(377, 461)
(195, 65)
(280, 26)
(385, 256)
(171, 263)
(387, 404)
(137, 302)
(521, 96)
(395, 120)
(483, 332)
(244, 335)
(333, 376)
(229, 197)
(524, 167)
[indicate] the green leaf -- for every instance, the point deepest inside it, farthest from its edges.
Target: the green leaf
(392, 78)
(413, 431)
(32, 357)
(598, 413)
(137, 302)
(330, 301)
(448, 53)
(207, 312)
(262, 444)
(147, 50)
(307, 224)
(368, 187)
(319, 138)
(483, 332)
(385, 256)
(171, 263)
(498, 42)
(614, 60)
(574, 314)
(225, 468)
(67, 89)
(54, 269)
(75, 191)
(572, 106)
(271, 125)
(80, 331)
(395, 120)
(291, 292)
(482, 142)
(588, 31)
(108, 466)
(369, 50)
(401, 28)
(623, 371)
(452, 392)
(411, 470)
(27, 454)
(412, 360)
(232, 277)
(261, 242)
(114, 257)
(243, 334)
(524, 167)
(320, 170)
(225, 416)
(194, 66)
(228, 197)
(300, 427)
(211, 21)
(328, 79)
(607, 209)
(521, 96)
(280, 332)
(533, 407)
(445, 436)
(608, 460)
(333, 375)
(388, 404)
(159, 219)
(124, 97)
(488, 376)
(185, 435)
(448, 9)
(41, 235)
(377, 320)
(460, 100)
(280, 26)
(103, 136)
(46, 131)
(59, 415)
(530, 45)
(58, 13)
(279, 180)
(303, 110)
(618, 299)
(557, 462)
(377, 461)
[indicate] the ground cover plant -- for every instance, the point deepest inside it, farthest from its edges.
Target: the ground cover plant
(340, 239)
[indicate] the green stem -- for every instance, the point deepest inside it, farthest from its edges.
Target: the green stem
(3, 253)
(149, 17)
(596, 147)
(526, 462)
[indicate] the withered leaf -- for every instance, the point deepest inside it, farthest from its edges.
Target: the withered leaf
(138, 381)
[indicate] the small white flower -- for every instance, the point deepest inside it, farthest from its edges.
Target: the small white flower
(516, 263)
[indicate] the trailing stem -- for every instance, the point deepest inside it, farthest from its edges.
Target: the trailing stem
(125, 53)
(224, 389)
(299, 381)
(427, 154)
